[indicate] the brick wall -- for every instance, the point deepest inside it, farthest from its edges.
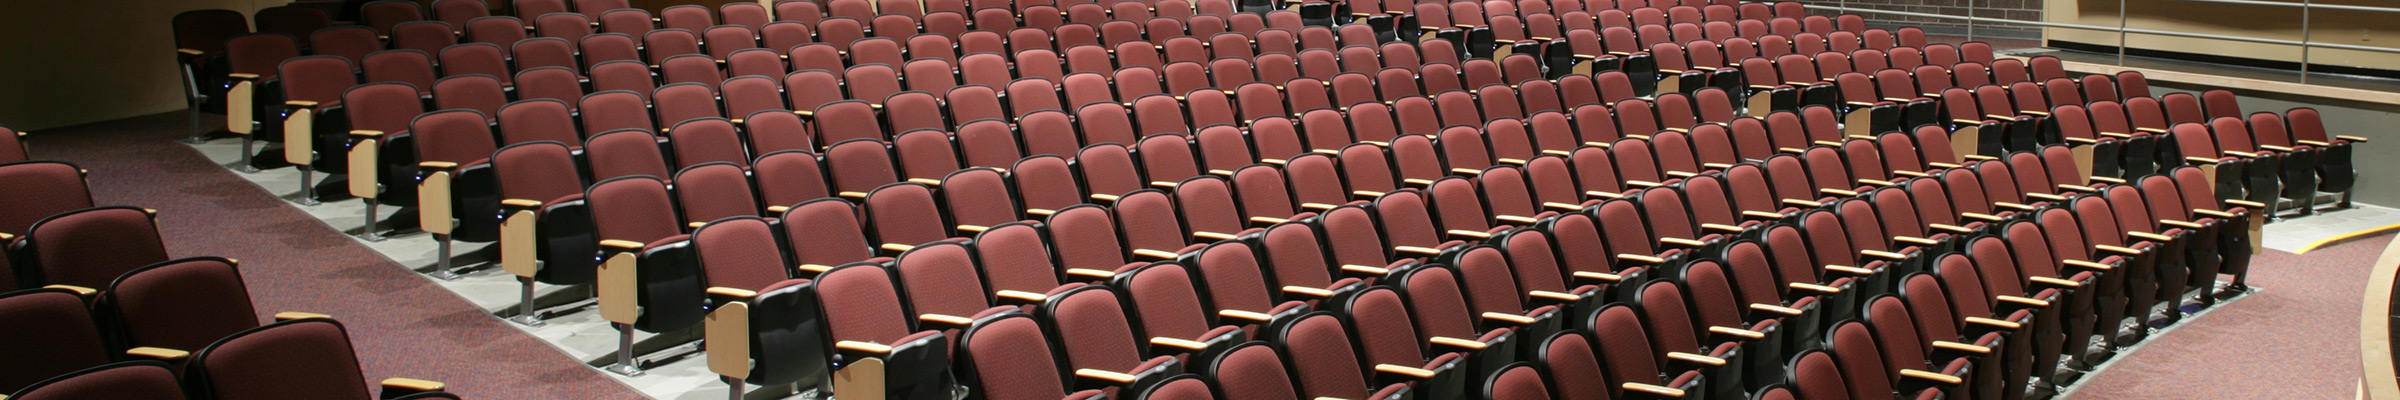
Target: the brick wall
(2023, 10)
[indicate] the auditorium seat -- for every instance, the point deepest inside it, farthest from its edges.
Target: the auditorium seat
(55, 336)
(317, 350)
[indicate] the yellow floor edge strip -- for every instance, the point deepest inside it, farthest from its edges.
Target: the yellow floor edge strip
(2343, 237)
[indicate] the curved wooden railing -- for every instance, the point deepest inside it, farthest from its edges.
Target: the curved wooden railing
(2375, 329)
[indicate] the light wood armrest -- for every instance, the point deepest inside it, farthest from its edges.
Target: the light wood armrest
(1786, 311)
(945, 319)
(1949, 345)
(2150, 236)
(1104, 197)
(1545, 294)
(2088, 265)
(1604, 195)
(926, 181)
(1091, 273)
(296, 315)
(242, 76)
(366, 132)
(2200, 160)
(2275, 148)
(1761, 214)
(1468, 233)
(1682, 242)
(437, 165)
(1028, 297)
(1245, 315)
(1875, 182)
(1654, 390)
(1416, 250)
(1178, 343)
(1852, 271)
(850, 194)
(1457, 342)
(869, 347)
(814, 268)
(1162, 184)
(2246, 203)
(1936, 378)
(2180, 224)
(1737, 332)
(1942, 165)
(1682, 174)
(1366, 193)
(896, 247)
(1365, 270)
(1641, 258)
(419, 385)
(1262, 220)
(521, 203)
(2117, 249)
(2022, 300)
(1695, 358)
(1882, 254)
(1158, 254)
(1516, 219)
(1040, 211)
(973, 228)
(1720, 227)
(1117, 377)
(300, 103)
(157, 353)
(1212, 235)
(1512, 319)
(1838, 192)
(2046, 196)
(1950, 228)
(1308, 291)
(2004, 325)
(1597, 276)
(1468, 171)
(1417, 181)
(2349, 138)
(732, 292)
(1562, 206)
(1815, 288)
(2077, 140)
(2213, 213)
(1915, 240)
(79, 290)
(2009, 205)
(1643, 183)
(2313, 143)
(1418, 373)
(1907, 173)
(2054, 281)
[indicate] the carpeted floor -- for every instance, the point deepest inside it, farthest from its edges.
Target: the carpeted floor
(403, 325)
(2296, 338)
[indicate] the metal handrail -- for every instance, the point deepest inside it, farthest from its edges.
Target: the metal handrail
(2121, 29)
(2303, 5)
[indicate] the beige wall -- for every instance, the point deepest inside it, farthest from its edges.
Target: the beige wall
(72, 62)
(2272, 22)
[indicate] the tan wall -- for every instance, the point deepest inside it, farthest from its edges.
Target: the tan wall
(2272, 22)
(72, 62)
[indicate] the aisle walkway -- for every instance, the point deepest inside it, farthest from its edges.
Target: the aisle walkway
(403, 324)
(2296, 338)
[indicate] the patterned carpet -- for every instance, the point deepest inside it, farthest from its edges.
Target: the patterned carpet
(403, 325)
(2296, 338)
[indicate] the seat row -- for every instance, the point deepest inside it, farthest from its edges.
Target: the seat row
(87, 286)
